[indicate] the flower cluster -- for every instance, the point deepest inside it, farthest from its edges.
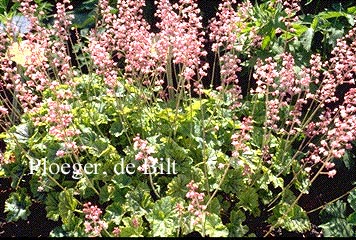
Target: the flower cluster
(62, 22)
(291, 7)
(195, 206)
(280, 84)
(40, 54)
(60, 118)
(339, 136)
(3, 110)
(144, 154)
(337, 124)
(101, 45)
(227, 24)
(340, 68)
(178, 42)
(312, 111)
(132, 36)
(116, 231)
(239, 140)
(230, 66)
(93, 224)
(180, 37)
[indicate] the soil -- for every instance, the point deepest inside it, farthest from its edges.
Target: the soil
(37, 225)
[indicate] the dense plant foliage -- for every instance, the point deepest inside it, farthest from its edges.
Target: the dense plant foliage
(133, 132)
(336, 221)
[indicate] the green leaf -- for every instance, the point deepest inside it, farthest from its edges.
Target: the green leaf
(84, 20)
(288, 196)
(2, 172)
(291, 218)
(177, 187)
(335, 210)
(333, 35)
(265, 42)
(214, 206)
(106, 193)
(234, 182)
(350, 19)
(213, 226)
(116, 129)
(99, 147)
(3, 6)
(173, 150)
(352, 218)
(352, 10)
(348, 160)
(163, 218)
(236, 228)
(337, 227)
(58, 232)
(336, 224)
(299, 29)
(130, 229)
(139, 200)
(314, 23)
(114, 213)
(67, 204)
(74, 228)
(307, 38)
(17, 206)
(122, 184)
(351, 199)
(249, 201)
(122, 181)
(331, 14)
(52, 206)
(23, 132)
(4, 135)
(84, 188)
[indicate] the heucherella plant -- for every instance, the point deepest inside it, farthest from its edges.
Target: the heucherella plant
(133, 131)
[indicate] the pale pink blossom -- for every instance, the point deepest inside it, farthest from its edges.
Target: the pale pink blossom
(195, 206)
(60, 153)
(93, 225)
(3, 110)
(331, 173)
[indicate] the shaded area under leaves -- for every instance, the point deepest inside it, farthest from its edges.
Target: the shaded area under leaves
(37, 225)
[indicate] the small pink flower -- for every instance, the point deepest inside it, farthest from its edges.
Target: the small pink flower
(135, 223)
(329, 165)
(332, 173)
(139, 156)
(60, 153)
(116, 231)
(144, 153)
(3, 110)
(180, 209)
(221, 166)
